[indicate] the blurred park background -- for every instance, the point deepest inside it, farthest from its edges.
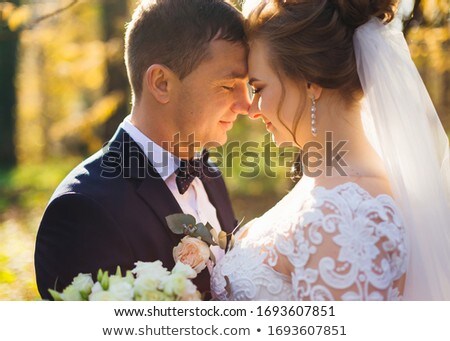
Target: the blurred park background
(63, 91)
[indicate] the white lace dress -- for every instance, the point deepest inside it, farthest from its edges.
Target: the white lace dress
(317, 244)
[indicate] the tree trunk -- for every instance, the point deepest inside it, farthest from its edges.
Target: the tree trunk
(115, 13)
(9, 43)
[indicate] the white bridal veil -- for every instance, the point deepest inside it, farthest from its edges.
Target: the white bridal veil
(402, 124)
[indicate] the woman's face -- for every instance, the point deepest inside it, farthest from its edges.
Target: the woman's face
(278, 114)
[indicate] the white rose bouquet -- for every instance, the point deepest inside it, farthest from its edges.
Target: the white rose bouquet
(148, 281)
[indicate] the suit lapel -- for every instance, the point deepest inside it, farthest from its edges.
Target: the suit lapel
(151, 187)
(218, 196)
(154, 191)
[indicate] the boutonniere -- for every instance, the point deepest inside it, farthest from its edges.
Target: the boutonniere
(194, 249)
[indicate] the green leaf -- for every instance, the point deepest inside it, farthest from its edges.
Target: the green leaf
(203, 232)
(56, 295)
(85, 295)
(179, 222)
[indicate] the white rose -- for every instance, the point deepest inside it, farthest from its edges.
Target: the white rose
(98, 294)
(71, 293)
(190, 293)
(174, 285)
(119, 290)
(152, 269)
(184, 270)
(102, 296)
(193, 252)
(144, 284)
(156, 296)
(83, 283)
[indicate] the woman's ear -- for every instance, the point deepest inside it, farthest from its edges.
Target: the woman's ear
(314, 90)
(159, 81)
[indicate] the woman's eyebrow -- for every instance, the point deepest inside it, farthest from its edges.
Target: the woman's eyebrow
(252, 80)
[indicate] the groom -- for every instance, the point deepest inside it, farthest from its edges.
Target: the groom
(186, 63)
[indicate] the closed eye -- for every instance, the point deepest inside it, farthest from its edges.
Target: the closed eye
(228, 88)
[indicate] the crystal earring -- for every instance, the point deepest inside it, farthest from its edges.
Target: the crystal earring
(313, 117)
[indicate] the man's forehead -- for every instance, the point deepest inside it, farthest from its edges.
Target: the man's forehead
(235, 74)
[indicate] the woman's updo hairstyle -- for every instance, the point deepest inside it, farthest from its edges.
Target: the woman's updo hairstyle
(312, 40)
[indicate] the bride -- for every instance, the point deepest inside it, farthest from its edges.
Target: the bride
(380, 230)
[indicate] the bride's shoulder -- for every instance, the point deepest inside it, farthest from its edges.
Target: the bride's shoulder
(366, 199)
(373, 186)
(355, 193)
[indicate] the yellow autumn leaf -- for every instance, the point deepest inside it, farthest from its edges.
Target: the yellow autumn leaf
(6, 9)
(18, 17)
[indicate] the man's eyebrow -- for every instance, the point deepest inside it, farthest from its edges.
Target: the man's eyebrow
(252, 80)
(235, 75)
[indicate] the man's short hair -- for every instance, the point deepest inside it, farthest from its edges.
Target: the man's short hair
(177, 33)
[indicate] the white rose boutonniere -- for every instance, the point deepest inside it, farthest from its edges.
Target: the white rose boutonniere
(193, 252)
(194, 249)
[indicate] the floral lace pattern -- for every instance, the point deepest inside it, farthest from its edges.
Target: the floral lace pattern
(322, 244)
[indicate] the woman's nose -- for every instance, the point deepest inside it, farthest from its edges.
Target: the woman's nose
(254, 112)
(242, 101)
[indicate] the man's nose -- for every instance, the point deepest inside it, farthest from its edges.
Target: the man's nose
(242, 102)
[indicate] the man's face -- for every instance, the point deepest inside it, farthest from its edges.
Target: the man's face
(214, 94)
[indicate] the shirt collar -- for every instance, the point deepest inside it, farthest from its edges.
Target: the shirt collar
(164, 162)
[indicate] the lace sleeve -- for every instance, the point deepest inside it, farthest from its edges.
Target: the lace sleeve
(345, 246)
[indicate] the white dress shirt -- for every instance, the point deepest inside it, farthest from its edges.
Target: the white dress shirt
(195, 200)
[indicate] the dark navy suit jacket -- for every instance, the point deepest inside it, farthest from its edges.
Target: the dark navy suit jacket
(109, 211)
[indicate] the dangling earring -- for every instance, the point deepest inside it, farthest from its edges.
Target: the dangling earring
(313, 117)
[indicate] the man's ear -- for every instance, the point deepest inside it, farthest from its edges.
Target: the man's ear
(159, 81)
(314, 90)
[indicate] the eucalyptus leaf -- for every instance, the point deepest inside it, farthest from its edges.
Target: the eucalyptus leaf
(179, 222)
(203, 232)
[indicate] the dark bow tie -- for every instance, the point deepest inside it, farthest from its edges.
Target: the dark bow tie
(194, 168)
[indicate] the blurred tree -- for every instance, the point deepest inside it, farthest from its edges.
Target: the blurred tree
(428, 35)
(9, 44)
(114, 15)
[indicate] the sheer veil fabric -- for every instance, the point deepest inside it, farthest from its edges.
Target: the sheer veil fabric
(403, 126)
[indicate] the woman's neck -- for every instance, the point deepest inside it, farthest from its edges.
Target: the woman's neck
(341, 148)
